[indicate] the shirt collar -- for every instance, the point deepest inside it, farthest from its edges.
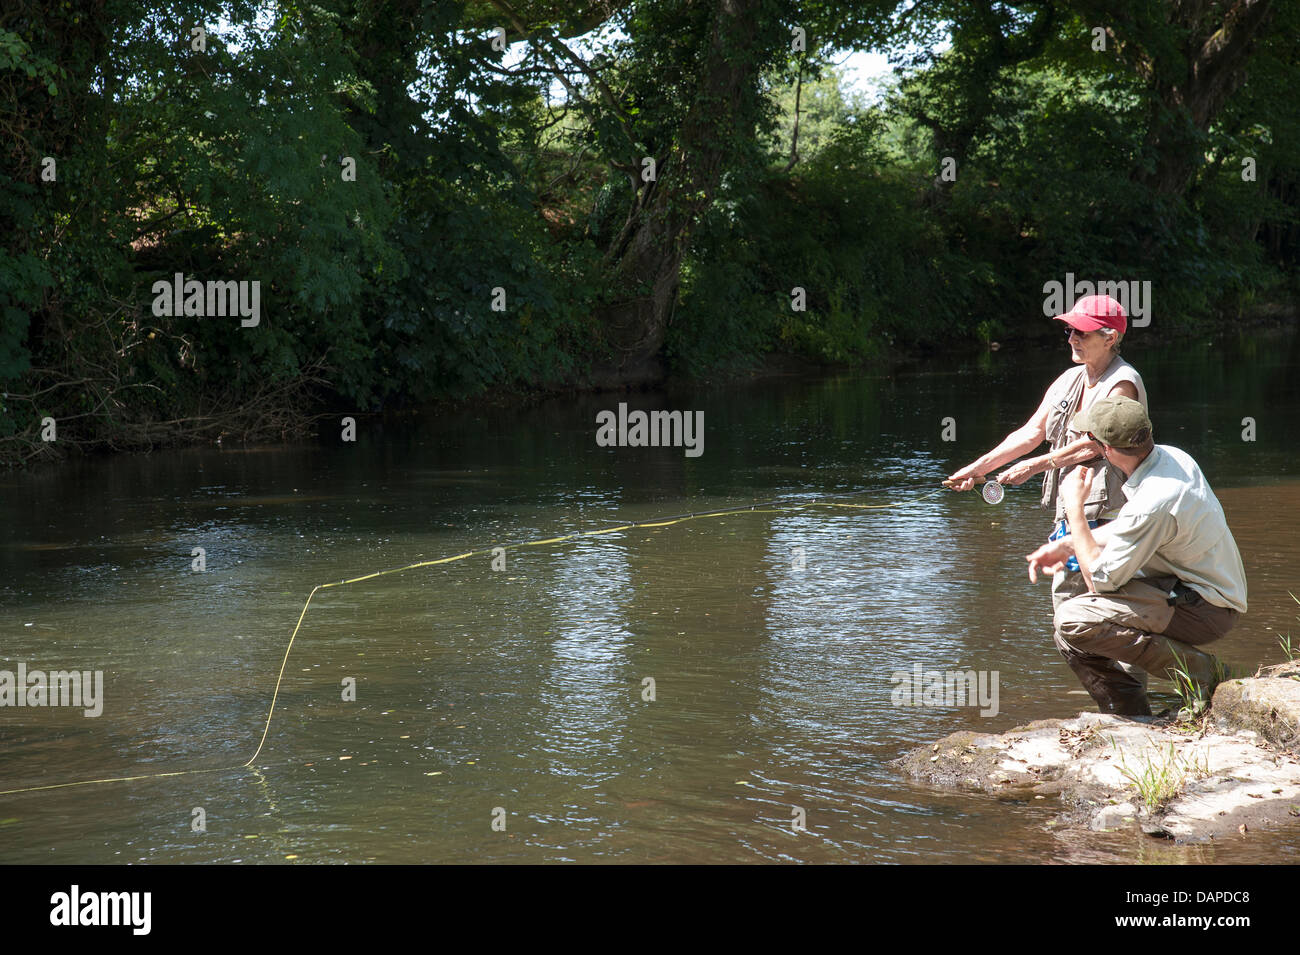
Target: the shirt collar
(1142, 470)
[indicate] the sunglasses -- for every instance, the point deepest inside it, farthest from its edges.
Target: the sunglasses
(1071, 331)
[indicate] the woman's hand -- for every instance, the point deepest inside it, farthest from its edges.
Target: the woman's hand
(965, 479)
(1017, 474)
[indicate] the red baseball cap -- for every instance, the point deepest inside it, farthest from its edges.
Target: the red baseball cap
(1096, 311)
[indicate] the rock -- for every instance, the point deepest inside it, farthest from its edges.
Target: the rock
(1222, 781)
(1113, 817)
(1152, 827)
(1267, 706)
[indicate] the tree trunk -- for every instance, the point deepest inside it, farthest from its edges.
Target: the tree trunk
(647, 269)
(1186, 103)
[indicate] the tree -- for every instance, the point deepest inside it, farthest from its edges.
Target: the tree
(1192, 56)
(958, 91)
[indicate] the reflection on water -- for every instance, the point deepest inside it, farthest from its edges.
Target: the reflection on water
(680, 693)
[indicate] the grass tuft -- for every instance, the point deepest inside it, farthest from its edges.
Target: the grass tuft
(1161, 777)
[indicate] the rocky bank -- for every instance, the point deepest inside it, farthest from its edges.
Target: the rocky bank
(1236, 769)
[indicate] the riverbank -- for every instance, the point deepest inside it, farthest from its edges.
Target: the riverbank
(284, 416)
(1230, 774)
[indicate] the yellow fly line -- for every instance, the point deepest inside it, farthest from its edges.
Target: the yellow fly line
(767, 507)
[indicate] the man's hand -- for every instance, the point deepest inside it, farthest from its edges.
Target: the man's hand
(1075, 490)
(1017, 474)
(1050, 558)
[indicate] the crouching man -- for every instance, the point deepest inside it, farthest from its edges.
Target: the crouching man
(1164, 578)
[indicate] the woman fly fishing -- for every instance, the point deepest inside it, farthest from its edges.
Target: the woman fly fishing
(1095, 326)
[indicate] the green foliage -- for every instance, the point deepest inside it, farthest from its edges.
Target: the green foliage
(846, 230)
(826, 106)
(227, 163)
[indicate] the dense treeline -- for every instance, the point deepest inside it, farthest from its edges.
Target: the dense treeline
(439, 198)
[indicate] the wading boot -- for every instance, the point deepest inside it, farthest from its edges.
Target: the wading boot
(1194, 672)
(1113, 690)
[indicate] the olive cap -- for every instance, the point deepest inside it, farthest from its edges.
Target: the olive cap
(1116, 421)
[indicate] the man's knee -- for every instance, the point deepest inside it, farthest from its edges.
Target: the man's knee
(1089, 625)
(1075, 626)
(1068, 650)
(1135, 606)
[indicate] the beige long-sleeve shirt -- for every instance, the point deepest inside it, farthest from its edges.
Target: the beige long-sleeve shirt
(1173, 525)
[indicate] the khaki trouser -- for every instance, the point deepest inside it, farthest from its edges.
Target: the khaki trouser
(1070, 583)
(1135, 625)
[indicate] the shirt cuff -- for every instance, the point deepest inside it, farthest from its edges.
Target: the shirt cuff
(1101, 578)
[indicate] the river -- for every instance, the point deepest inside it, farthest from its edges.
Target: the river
(507, 715)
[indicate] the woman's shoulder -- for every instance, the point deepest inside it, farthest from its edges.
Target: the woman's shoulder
(1120, 371)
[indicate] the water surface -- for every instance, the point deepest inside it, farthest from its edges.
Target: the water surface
(522, 690)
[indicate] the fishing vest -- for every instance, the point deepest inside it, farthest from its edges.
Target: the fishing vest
(1065, 395)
